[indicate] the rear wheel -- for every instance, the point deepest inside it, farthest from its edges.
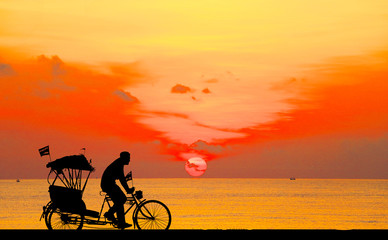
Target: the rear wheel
(152, 214)
(47, 210)
(57, 220)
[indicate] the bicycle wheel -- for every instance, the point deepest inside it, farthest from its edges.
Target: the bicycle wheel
(152, 214)
(57, 220)
(47, 211)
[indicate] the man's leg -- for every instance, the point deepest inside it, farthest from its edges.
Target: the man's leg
(120, 213)
(115, 194)
(118, 198)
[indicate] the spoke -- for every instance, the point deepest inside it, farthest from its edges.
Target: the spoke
(58, 220)
(153, 215)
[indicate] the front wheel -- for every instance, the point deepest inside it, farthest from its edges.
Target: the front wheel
(152, 214)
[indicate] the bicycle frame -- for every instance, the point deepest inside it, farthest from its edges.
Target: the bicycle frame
(131, 200)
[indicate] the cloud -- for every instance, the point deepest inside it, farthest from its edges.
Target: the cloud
(45, 92)
(195, 166)
(5, 69)
(211, 80)
(49, 89)
(126, 96)
(206, 91)
(336, 126)
(184, 130)
(201, 145)
(345, 95)
(179, 88)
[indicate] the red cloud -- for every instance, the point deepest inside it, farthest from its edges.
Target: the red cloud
(179, 88)
(346, 95)
(206, 90)
(45, 92)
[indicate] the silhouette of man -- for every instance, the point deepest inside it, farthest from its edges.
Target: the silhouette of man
(108, 184)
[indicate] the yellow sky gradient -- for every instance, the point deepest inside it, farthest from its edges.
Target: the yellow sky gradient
(284, 31)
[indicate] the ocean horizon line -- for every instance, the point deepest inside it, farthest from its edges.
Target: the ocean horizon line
(198, 178)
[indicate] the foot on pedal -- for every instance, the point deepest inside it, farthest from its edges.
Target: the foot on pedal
(123, 225)
(110, 217)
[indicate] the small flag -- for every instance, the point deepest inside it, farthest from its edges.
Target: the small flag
(128, 177)
(44, 151)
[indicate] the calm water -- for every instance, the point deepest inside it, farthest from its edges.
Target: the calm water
(227, 203)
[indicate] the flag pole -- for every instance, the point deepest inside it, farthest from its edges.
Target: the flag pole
(132, 179)
(48, 146)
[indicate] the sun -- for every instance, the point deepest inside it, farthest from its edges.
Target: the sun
(195, 166)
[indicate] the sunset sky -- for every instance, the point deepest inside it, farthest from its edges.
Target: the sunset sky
(255, 88)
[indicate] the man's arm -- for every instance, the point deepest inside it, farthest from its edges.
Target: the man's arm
(124, 183)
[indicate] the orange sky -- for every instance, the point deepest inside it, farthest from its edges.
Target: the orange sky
(258, 89)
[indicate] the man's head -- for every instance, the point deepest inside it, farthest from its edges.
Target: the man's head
(126, 157)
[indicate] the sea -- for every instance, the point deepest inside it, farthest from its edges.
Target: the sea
(225, 203)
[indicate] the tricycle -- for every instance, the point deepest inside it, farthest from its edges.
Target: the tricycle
(67, 210)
